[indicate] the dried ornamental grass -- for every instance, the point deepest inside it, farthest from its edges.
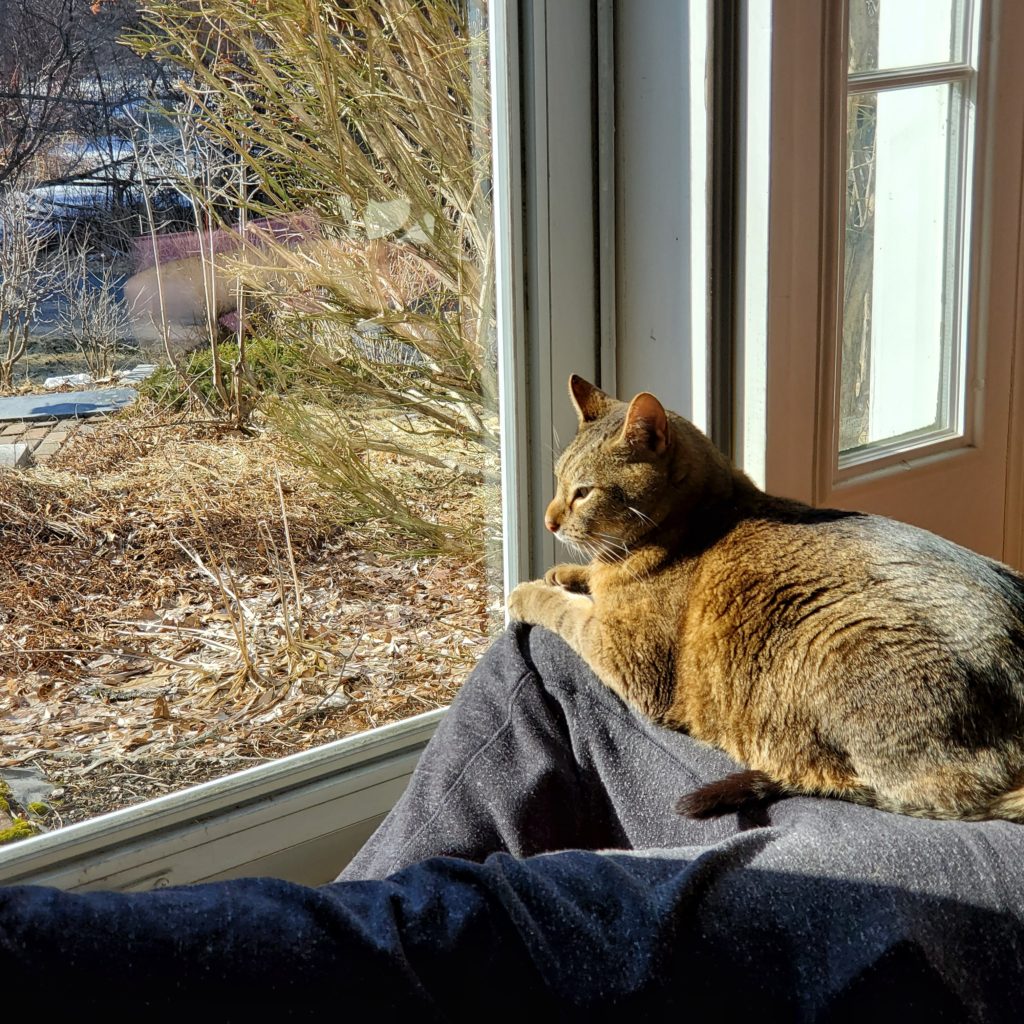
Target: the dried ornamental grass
(372, 117)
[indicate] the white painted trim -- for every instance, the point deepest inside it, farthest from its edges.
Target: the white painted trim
(698, 336)
(605, 73)
(300, 817)
(752, 239)
(503, 27)
(561, 212)
(655, 230)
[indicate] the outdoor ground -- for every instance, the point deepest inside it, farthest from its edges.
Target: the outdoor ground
(154, 632)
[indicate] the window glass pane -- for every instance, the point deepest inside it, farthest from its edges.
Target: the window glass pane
(295, 535)
(901, 313)
(888, 34)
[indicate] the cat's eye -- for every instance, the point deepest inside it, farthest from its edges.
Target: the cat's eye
(578, 494)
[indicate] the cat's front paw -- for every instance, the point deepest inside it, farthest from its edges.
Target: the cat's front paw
(524, 602)
(574, 578)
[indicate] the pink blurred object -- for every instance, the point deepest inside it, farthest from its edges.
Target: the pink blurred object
(288, 229)
(230, 321)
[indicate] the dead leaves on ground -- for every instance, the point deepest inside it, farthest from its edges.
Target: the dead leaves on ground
(149, 609)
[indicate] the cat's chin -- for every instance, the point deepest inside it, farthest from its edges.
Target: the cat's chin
(576, 548)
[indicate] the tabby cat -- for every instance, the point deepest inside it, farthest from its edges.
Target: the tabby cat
(834, 653)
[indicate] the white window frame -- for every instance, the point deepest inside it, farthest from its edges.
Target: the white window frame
(661, 279)
(849, 466)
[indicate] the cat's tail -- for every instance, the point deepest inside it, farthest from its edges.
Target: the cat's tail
(1009, 806)
(750, 788)
(733, 793)
(746, 789)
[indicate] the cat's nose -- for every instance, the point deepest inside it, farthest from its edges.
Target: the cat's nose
(551, 523)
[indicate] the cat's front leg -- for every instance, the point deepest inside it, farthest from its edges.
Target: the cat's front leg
(569, 576)
(545, 604)
(573, 618)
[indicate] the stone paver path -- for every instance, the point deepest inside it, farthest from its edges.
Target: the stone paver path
(13, 456)
(40, 438)
(33, 427)
(54, 406)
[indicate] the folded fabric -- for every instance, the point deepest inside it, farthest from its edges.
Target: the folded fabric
(535, 865)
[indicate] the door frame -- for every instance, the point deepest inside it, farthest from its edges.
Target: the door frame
(807, 117)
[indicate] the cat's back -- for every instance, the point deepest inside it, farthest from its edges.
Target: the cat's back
(834, 649)
(790, 567)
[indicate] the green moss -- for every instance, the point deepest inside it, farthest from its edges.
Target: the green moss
(21, 829)
(272, 367)
(5, 791)
(39, 808)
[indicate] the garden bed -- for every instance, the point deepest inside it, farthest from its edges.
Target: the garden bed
(155, 632)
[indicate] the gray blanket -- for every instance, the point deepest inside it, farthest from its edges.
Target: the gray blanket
(535, 866)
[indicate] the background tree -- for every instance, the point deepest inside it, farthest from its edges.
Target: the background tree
(31, 263)
(67, 85)
(40, 59)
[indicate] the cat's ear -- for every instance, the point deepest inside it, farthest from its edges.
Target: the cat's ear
(591, 402)
(646, 424)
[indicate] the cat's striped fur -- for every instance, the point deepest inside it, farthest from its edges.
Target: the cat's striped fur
(832, 652)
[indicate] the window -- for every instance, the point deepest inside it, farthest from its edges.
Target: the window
(300, 816)
(893, 255)
(910, 98)
(304, 541)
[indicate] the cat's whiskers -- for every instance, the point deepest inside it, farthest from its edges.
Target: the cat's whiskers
(579, 547)
(630, 569)
(594, 552)
(596, 545)
(619, 555)
(615, 555)
(642, 515)
(601, 551)
(609, 541)
(557, 448)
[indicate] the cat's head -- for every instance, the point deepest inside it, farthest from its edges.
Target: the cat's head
(628, 469)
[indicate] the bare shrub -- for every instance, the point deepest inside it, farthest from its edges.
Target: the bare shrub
(31, 259)
(91, 316)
